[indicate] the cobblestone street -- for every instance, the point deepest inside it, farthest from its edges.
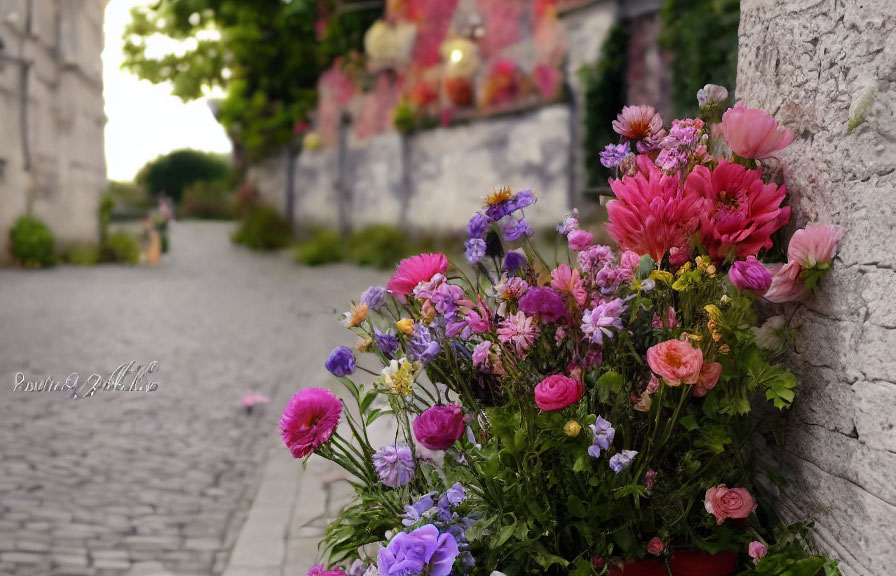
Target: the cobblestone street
(154, 482)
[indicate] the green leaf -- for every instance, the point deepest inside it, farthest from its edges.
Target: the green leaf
(689, 422)
(645, 266)
(505, 534)
(575, 506)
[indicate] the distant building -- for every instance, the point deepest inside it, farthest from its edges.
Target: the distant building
(52, 161)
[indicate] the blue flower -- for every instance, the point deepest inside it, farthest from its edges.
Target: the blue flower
(475, 250)
(422, 346)
(622, 460)
(513, 261)
(394, 465)
(341, 362)
(603, 436)
(415, 512)
(516, 229)
(374, 297)
(387, 342)
(477, 226)
(613, 154)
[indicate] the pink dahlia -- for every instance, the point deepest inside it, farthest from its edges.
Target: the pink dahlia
(414, 270)
(309, 419)
(753, 133)
(741, 212)
(651, 213)
(814, 245)
(636, 122)
(786, 284)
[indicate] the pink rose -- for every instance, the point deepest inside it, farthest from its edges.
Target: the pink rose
(815, 244)
(676, 362)
(557, 392)
(723, 503)
(750, 275)
(758, 550)
(709, 376)
(655, 546)
(786, 285)
(579, 240)
(753, 133)
(439, 427)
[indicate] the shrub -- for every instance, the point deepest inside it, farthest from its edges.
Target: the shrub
(82, 255)
(380, 246)
(174, 172)
(263, 229)
(208, 200)
(322, 246)
(120, 247)
(31, 243)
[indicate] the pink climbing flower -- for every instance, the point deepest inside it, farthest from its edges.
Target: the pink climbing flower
(753, 133)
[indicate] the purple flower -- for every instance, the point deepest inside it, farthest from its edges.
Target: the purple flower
(456, 494)
(650, 479)
(374, 297)
(545, 303)
(424, 548)
(513, 261)
(442, 295)
(603, 437)
(422, 346)
(475, 250)
(595, 258)
(394, 465)
(414, 513)
(480, 353)
(477, 226)
(596, 322)
(613, 154)
(569, 223)
(516, 229)
(341, 361)
(610, 278)
(622, 460)
(750, 275)
(520, 200)
(387, 342)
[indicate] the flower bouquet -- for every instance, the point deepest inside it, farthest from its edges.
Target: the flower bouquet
(596, 414)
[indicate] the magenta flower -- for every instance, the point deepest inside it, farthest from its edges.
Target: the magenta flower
(741, 212)
(309, 419)
(557, 392)
(753, 133)
(544, 303)
(520, 330)
(650, 214)
(750, 275)
(579, 240)
(439, 427)
(757, 550)
(815, 245)
(414, 270)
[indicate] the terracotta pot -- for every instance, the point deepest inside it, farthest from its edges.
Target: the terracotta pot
(683, 563)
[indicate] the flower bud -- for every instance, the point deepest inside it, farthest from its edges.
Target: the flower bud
(572, 428)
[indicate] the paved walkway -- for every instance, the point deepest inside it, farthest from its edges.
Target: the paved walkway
(164, 482)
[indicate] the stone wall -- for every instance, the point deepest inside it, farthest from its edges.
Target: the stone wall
(449, 171)
(51, 116)
(827, 70)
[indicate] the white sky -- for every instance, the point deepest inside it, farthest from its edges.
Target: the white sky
(144, 119)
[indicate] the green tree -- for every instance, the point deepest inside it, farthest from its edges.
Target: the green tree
(172, 173)
(265, 55)
(702, 36)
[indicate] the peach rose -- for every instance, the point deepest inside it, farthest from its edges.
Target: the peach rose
(723, 503)
(676, 362)
(709, 377)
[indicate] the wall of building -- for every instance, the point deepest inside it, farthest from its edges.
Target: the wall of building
(450, 169)
(827, 70)
(52, 150)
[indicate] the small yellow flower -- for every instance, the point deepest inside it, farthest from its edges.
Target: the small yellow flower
(498, 195)
(355, 316)
(713, 311)
(363, 344)
(692, 337)
(711, 271)
(684, 268)
(572, 428)
(399, 376)
(406, 326)
(663, 276)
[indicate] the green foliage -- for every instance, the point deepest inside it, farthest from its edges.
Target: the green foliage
(379, 246)
(173, 173)
(701, 35)
(264, 54)
(120, 247)
(322, 246)
(212, 200)
(263, 229)
(604, 98)
(82, 255)
(31, 243)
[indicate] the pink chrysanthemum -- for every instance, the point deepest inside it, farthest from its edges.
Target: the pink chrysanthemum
(753, 133)
(566, 279)
(414, 270)
(520, 330)
(636, 122)
(741, 212)
(651, 214)
(309, 419)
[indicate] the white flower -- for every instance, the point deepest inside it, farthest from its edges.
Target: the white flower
(770, 335)
(712, 95)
